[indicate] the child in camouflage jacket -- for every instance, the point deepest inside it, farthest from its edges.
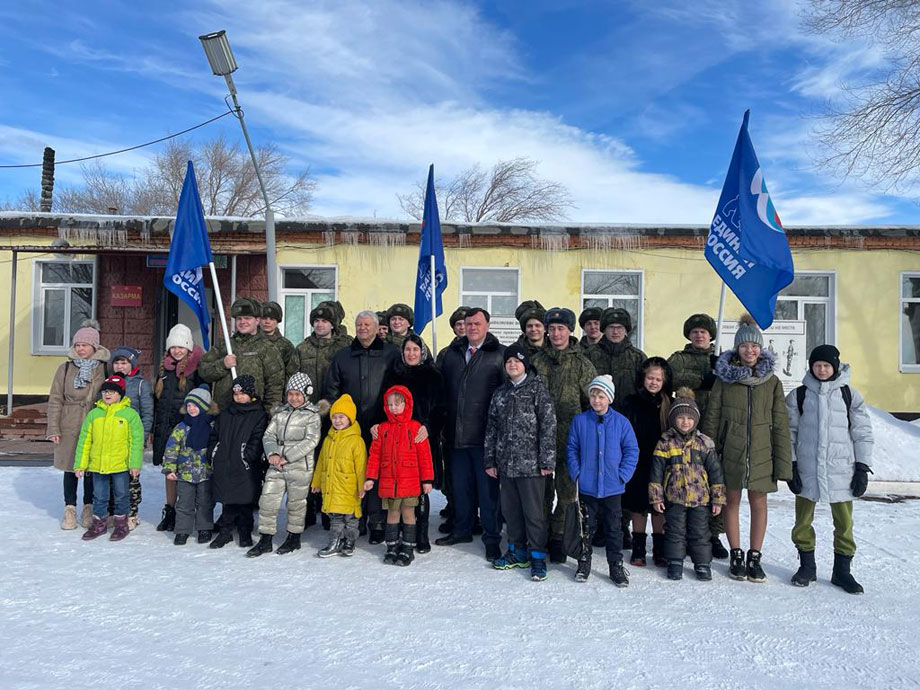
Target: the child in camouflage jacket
(686, 485)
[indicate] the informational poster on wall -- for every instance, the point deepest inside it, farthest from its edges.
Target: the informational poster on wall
(505, 328)
(786, 340)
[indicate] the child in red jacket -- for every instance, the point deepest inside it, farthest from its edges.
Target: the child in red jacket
(401, 466)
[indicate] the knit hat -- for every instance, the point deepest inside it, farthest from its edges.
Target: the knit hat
(87, 334)
(245, 306)
(590, 314)
(272, 310)
(604, 383)
(700, 321)
(458, 315)
(403, 310)
(300, 382)
(200, 397)
(114, 383)
(180, 335)
(560, 315)
(684, 403)
(325, 311)
(527, 310)
(125, 352)
(515, 351)
(825, 353)
(245, 383)
(346, 406)
(616, 315)
(748, 332)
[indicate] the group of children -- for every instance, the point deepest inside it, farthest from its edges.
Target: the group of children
(241, 458)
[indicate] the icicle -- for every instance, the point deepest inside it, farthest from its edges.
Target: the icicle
(463, 240)
(550, 241)
(386, 240)
(611, 241)
(351, 237)
(329, 237)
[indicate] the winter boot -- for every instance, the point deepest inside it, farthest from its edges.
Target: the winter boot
(619, 574)
(513, 558)
(556, 551)
(168, 523)
(97, 529)
(121, 528)
(348, 547)
(807, 572)
(754, 572)
(378, 534)
(842, 577)
(204, 536)
(537, 566)
(703, 572)
(245, 538)
(675, 569)
(264, 546)
(224, 537)
(407, 546)
(637, 557)
(718, 551)
(180, 539)
(291, 543)
(658, 550)
(86, 517)
(391, 534)
(69, 521)
(422, 545)
(736, 568)
(583, 571)
(333, 548)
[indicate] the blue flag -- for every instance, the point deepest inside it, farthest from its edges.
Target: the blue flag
(189, 250)
(747, 243)
(429, 246)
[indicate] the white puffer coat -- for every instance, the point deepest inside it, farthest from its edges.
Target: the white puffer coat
(824, 444)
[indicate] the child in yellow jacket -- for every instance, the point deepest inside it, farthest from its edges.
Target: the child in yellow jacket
(339, 476)
(111, 446)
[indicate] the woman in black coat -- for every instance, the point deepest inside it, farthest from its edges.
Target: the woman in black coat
(647, 411)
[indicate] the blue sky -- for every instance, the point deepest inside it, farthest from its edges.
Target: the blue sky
(634, 106)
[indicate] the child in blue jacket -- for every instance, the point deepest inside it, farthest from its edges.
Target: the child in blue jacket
(601, 455)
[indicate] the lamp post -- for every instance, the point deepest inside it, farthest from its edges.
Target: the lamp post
(220, 57)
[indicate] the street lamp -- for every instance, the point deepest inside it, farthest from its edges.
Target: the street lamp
(220, 57)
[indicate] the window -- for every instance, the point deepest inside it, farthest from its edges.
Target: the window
(64, 295)
(493, 289)
(621, 289)
(302, 288)
(810, 298)
(910, 322)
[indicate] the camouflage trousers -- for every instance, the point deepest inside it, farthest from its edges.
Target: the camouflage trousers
(561, 488)
(134, 496)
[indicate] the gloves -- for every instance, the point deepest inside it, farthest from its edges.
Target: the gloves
(795, 484)
(860, 479)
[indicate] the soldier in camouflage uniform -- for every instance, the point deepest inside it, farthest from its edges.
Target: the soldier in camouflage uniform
(252, 355)
(399, 319)
(383, 325)
(615, 354)
(271, 317)
(590, 322)
(567, 374)
(530, 315)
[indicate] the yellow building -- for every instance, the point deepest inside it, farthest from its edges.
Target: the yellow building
(858, 288)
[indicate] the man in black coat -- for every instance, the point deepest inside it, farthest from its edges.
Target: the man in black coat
(359, 370)
(473, 368)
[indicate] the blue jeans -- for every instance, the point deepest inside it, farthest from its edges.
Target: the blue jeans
(119, 482)
(468, 474)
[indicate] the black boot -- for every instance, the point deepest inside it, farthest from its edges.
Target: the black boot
(737, 570)
(180, 539)
(224, 537)
(637, 557)
(658, 550)
(619, 574)
(291, 543)
(204, 536)
(807, 572)
(245, 538)
(755, 572)
(391, 534)
(422, 545)
(583, 572)
(168, 523)
(718, 551)
(842, 577)
(378, 534)
(675, 569)
(264, 546)
(556, 551)
(406, 553)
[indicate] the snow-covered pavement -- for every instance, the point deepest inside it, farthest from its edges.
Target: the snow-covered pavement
(146, 614)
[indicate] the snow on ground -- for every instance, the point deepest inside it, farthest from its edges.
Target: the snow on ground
(146, 614)
(896, 453)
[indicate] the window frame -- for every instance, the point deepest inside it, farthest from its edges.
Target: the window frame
(39, 287)
(489, 295)
(902, 300)
(830, 301)
(305, 292)
(640, 317)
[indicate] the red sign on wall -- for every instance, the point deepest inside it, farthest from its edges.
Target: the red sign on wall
(127, 295)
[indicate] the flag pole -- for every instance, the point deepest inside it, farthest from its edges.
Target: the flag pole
(434, 313)
(721, 312)
(223, 317)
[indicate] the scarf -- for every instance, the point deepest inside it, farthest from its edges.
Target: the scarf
(85, 369)
(199, 430)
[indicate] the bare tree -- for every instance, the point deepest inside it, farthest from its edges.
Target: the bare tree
(27, 201)
(509, 192)
(874, 133)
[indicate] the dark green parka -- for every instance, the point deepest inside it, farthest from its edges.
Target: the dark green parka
(287, 351)
(254, 355)
(620, 360)
(314, 357)
(692, 368)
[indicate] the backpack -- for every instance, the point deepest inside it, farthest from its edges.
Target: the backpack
(844, 390)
